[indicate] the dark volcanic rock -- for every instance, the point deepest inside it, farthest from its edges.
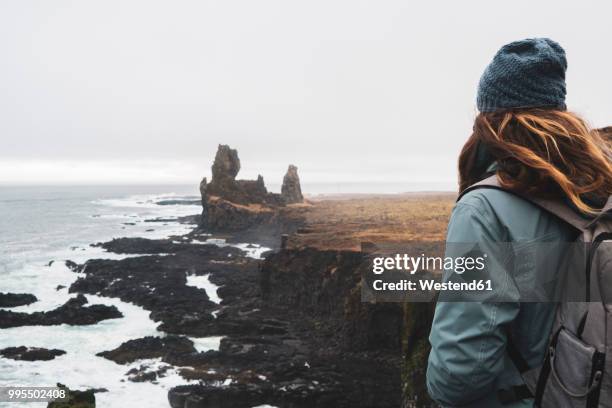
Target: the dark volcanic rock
(204, 200)
(153, 284)
(73, 312)
(190, 219)
(230, 205)
(160, 219)
(226, 216)
(304, 341)
(317, 383)
(30, 353)
(147, 372)
(295, 330)
(76, 399)
(226, 165)
(291, 190)
(324, 285)
(140, 246)
(224, 184)
(203, 187)
(179, 202)
(16, 299)
(149, 347)
(255, 223)
(159, 283)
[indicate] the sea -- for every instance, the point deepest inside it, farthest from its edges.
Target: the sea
(41, 228)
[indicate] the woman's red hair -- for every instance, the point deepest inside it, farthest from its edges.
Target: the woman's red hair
(549, 153)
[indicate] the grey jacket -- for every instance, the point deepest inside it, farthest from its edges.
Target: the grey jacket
(468, 362)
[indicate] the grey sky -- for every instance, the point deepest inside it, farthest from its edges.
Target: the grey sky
(143, 91)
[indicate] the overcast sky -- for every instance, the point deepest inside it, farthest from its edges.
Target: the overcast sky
(143, 91)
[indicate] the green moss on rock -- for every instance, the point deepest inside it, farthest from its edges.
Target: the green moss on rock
(415, 347)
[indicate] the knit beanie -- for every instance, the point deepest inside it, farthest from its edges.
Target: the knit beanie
(524, 74)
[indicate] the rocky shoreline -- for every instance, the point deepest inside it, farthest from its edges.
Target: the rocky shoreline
(16, 299)
(24, 353)
(288, 340)
(295, 332)
(73, 312)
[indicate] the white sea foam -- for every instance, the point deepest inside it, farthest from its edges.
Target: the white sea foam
(203, 344)
(203, 282)
(251, 250)
(26, 270)
(50, 282)
(80, 368)
(149, 202)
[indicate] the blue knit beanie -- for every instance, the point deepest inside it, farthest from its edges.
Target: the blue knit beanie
(524, 74)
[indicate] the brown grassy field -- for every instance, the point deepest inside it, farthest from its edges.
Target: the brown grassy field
(345, 221)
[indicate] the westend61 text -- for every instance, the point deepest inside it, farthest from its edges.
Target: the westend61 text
(430, 284)
(412, 264)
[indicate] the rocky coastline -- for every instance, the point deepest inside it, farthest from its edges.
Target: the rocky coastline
(295, 332)
(73, 312)
(24, 353)
(16, 299)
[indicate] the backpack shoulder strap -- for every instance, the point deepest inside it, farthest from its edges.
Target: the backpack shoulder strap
(555, 207)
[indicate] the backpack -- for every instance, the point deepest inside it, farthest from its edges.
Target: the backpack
(577, 368)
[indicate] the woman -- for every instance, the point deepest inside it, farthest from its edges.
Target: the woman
(525, 136)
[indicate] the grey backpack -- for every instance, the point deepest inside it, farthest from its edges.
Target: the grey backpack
(577, 368)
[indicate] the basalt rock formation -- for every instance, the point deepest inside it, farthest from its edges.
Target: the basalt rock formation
(76, 399)
(300, 337)
(73, 312)
(224, 184)
(16, 299)
(30, 353)
(149, 347)
(291, 190)
(230, 205)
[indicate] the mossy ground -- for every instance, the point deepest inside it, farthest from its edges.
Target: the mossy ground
(344, 222)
